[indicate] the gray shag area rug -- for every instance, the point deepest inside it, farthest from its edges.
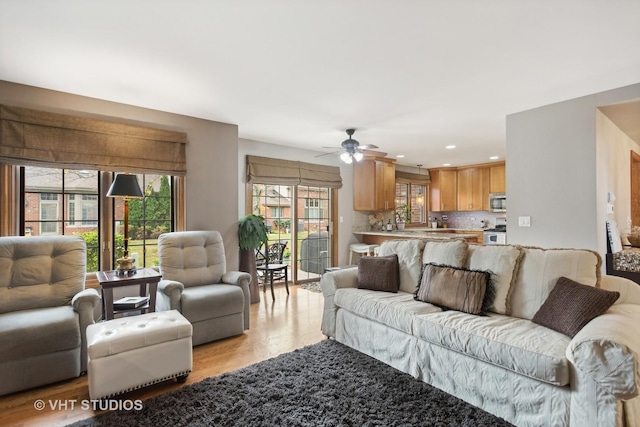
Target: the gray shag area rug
(325, 384)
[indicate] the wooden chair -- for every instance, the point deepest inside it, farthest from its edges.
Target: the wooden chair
(270, 266)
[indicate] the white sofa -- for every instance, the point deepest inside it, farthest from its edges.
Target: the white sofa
(501, 362)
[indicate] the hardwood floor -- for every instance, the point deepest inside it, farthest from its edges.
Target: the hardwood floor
(277, 327)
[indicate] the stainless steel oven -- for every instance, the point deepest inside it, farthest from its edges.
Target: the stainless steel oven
(498, 202)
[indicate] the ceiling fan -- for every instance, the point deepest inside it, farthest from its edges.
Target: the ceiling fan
(351, 149)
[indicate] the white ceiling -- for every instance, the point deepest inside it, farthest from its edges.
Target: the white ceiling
(412, 76)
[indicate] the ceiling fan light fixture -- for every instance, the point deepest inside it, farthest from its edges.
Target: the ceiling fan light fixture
(358, 156)
(346, 157)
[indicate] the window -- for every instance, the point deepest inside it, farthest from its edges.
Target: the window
(148, 218)
(277, 211)
(64, 201)
(48, 213)
(414, 197)
(313, 209)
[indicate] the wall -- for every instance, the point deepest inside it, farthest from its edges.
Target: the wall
(554, 175)
(212, 153)
(345, 194)
(614, 154)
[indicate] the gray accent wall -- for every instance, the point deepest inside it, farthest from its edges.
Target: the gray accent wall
(556, 172)
(212, 154)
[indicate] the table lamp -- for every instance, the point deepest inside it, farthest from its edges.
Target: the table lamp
(126, 187)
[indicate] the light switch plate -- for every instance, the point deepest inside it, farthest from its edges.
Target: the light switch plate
(524, 221)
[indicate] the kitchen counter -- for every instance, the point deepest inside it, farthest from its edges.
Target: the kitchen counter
(377, 237)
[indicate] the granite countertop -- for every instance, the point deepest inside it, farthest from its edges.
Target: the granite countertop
(426, 233)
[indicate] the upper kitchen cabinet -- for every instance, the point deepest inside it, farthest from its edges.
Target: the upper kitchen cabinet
(443, 190)
(498, 179)
(473, 189)
(374, 184)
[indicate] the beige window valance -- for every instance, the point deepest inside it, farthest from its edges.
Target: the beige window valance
(32, 137)
(413, 178)
(265, 170)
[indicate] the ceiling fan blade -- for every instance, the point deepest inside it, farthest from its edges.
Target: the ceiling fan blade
(368, 146)
(326, 154)
(335, 148)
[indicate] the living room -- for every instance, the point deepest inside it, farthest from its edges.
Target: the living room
(555, 137)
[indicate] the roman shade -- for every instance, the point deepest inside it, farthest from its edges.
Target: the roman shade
(414, 178)
(32, 137)
(265, 170)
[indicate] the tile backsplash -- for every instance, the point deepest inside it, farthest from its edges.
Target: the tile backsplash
(468, 220)
(375, 221)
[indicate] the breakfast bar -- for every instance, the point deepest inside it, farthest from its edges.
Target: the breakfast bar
(377, 237)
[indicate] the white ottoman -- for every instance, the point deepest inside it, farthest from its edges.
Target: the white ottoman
(132, 352)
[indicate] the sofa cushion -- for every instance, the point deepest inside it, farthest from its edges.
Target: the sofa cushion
(379, 273)
(28, 333)
(451, 252)
(515, 344)
(409, 259)
(454, 288)
(394, 310)
(571, 305)
(539, 271)
(502, 262)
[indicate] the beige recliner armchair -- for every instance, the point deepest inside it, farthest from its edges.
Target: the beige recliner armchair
(44, 310)
(196, 283)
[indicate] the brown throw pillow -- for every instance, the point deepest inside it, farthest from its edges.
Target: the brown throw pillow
(571, 305)
(380, 273)
(453, 287)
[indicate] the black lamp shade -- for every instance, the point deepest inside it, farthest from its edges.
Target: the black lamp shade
(125, 186)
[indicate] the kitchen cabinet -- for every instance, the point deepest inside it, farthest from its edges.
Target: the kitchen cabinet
(498, 179)
(443, 190)
(374, 184)
(473, 189)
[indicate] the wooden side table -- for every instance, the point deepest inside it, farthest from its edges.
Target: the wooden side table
(146, 278)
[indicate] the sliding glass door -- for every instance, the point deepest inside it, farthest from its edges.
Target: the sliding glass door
(300, 217)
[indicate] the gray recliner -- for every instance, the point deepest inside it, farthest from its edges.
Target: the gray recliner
(44, 310)
(196, 283)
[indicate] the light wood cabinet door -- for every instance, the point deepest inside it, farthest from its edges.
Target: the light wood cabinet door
(374, 185)
(498, 179)
(486, 189)
(385, 185)
(472, 188)
(443, 190)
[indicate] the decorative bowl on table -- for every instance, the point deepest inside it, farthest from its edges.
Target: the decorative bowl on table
(634, 239)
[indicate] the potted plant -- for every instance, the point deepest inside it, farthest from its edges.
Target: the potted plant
(252, 234)
(403, 216)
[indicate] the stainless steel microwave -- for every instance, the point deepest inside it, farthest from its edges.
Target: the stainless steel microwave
(498, 202)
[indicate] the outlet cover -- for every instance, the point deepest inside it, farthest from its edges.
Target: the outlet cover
(524, 221)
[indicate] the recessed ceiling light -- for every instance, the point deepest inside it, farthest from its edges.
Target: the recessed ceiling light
(446, 164)
(449, 147)
(494, 158)
(400, 156)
